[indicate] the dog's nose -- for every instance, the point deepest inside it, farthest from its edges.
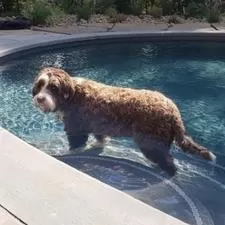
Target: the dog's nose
(40, 99)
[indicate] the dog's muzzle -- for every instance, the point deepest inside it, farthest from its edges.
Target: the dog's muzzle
(44, 101)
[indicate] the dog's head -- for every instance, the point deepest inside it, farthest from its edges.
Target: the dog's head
(52, 90)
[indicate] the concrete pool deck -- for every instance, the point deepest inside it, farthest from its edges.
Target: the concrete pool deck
(38, 189)
(22, 40)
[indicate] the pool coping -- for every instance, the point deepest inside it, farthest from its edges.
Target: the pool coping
(56, 40)
(18, 157)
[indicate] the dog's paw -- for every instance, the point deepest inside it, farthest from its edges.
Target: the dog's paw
(95, 144)
(98, 144)
(78, 149)
(59, 116)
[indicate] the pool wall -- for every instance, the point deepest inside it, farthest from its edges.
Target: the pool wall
(38, 189)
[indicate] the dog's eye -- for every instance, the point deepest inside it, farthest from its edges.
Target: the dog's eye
(53, 87)
(40, 84)
(37, 87)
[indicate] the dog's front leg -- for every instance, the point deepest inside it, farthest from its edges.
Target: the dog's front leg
(76, 141)
(75, 135)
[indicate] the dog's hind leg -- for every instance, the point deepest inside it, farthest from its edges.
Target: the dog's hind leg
(156, 151)
(99, 137)
(100, 141)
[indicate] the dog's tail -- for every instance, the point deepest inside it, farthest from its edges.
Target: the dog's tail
(187, 144)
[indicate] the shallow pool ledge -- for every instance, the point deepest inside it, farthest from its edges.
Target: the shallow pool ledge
(40, 190)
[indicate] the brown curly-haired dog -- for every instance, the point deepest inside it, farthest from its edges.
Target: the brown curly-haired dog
(87, 106)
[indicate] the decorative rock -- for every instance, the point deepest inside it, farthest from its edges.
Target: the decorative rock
(98, 18)
(82, 21)
(71, 20)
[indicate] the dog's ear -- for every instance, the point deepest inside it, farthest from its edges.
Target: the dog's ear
(34, 88)
(67, 88)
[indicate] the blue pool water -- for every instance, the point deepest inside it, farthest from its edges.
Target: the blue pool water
(193, 75)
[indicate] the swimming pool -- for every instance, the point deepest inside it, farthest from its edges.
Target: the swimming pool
(192, 74)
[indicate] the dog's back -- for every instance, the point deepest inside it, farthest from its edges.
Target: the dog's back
(150, 110)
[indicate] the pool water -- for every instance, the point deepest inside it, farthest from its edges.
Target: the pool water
(192, 74)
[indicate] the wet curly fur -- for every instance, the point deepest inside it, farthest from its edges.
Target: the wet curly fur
(90, 107)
